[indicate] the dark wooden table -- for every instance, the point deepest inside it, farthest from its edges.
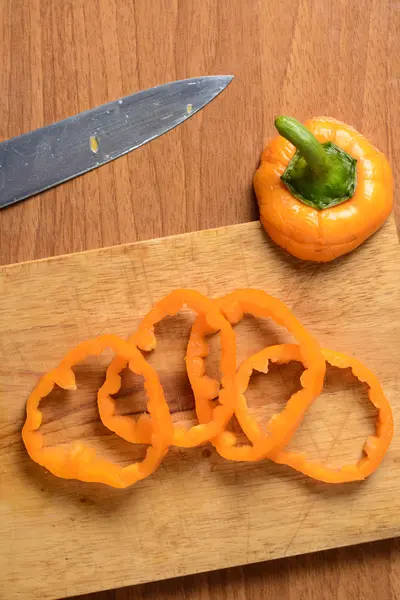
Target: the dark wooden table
(298, 57)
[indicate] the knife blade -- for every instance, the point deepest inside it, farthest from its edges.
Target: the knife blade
(36, 161)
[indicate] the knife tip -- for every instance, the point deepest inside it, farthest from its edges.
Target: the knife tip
(225, 80)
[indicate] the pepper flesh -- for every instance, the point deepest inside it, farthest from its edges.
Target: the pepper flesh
(78, 461)
(283, 426)
(210, 320)
(322, 235)
(375, 446)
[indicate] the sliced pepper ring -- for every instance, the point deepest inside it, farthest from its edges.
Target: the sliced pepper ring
(210, 320)
(78, 461)
(375, 446)
(281, 427)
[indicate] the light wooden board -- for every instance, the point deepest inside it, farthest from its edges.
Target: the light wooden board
(198, 512)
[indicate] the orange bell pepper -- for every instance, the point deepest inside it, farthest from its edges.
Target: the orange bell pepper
(375, 446)
(210, 320)
(328, 197)
(283, 426)
(78, 461)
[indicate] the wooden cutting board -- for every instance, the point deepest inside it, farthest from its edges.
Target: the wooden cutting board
(198, 512)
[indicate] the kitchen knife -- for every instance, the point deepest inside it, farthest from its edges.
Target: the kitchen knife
(36, 161)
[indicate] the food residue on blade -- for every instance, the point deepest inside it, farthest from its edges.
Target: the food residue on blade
(94, 144)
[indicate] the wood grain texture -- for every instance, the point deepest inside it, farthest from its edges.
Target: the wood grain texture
(198, 512)
(303, 57)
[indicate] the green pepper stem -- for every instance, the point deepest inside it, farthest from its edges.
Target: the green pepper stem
(320, 175)
(305, 142)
